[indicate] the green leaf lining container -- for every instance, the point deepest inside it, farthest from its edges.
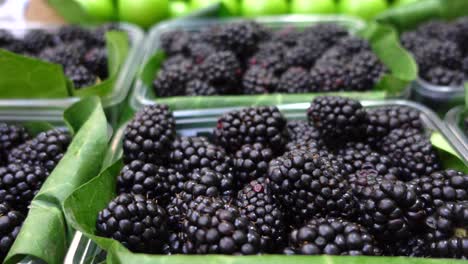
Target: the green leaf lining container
(383, 39)
(87, 247)
(111, 101)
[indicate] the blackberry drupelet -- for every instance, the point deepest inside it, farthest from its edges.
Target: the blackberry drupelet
(207, 182)
(10, 223)
(332, 236)
(37, 39)
(257, 203)
(412, 151)
(189, 153)
(199, 88)
(138, 223)
(337, 118)
(172, 81)
(80, 76)
(252, 125)
(328, 78)
(19, 183)
(221, 68)
(301, 56)
(445, 77)
(11, 136)
(251, 162)
(149, 136)
(46, 149)
(309, 184)
(448, 231)
(295, 80)
(146, 179)
(96, 62)
(258, 80)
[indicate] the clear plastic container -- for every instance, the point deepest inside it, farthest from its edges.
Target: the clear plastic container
(83, 250)
(439, 98)
(57, 106)
(454, 120)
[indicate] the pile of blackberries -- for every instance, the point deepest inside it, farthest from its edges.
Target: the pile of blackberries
(348, 181)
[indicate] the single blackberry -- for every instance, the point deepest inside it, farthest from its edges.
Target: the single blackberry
(10, 136)
(295, 80)
(64, 54)
(95, 61)
(172, 81)
(333, 236)
(327, 33)
(441, 187)
(309, 184)
(145, 179)
(391, 210)
(328, 78)
(448, 231)
(382, 120)
(445, 77)
(221, 68)
(148, 137)
(217, 228)
(301, 56)
(252, 125)
(337, 118)
(37, 39)
(46, 149)
(207, 182)
(412, 151)
(80, 76)
(10, 225)
(199, 88)
(256, 202)
(190, 153)
(240, 37)
(273, 63)
(301, 131)
(439, 53)
(251, 162)
(199, 51)
(140, 224)
(365, 71)
(19, 183)
(72, 33)
(6, 38)
(258, 80)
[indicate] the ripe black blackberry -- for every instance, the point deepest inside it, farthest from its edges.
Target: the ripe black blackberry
(412, 151)
(352, 45)
(11, 136)
(448, 231)
(96, 62)
(177, 244)
(37, 39)
(257, 203)
(295, 80)
(207, 182)
(439, 53)
(328, 78)
(221, 68)
(140, 224)
(332, 236)
(240, 37)
(199, 88)
(301, 56)
(175, 42)
(412, 41)
(337, 118)
(189, 153)
(366, 70)
(172, 81)
(301, 131)
(441, 187)
(445, 77)
(10, 223)
(72, 33)
(252, 125)
(327, 33)
(80, 76)
(19, 183)
(309, 184)
(64, 54)
(145, 179)
(382, 120)
(251, 162)
(46, 149)
(273, 63)
(217, 228)
(148, 137)
(258, 80)
(199, 51)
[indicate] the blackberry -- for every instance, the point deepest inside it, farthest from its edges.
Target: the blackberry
(366, 67)
(440, 187)
(256, 202)
(435, 29)
(252, 125)
(36, 40)
(6, 38)
(207, 182)
(412, 152)
(295, 80)
(328, 33)
(189, 153)
(447, 231)
(17, 46)
(258, 80)
(240, 37)
(95, 61)
(251, 162)
(64, 54)
(301, 56)
(138, 223)
(439, 53)
(337, 118)
(200, 51)
(273, 63)
(19, 183)
(175, 42)
(309, 184)
(382, 120)
(178, 244)
(199, 88)
(217, 228)
(271, 48)
(80, 76)
(172, 81)
(445, 77)
(333, 236)
(72, 33)
(413, 41)
(415, 246)
(148, 137)
(328, 79)
(352, 45)
(145, 179)
(221, 68)
(301, 131)
(46, 149)
(10, 223)
(288, 36)
(10, 136)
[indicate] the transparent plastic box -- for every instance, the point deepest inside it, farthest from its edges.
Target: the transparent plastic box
(439, 98)
(454, 120)
(84, 250)
(110, 102)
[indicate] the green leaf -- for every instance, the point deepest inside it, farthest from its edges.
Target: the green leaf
(45, 233)
(72, 11)
(449, 156)
(25, 77)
